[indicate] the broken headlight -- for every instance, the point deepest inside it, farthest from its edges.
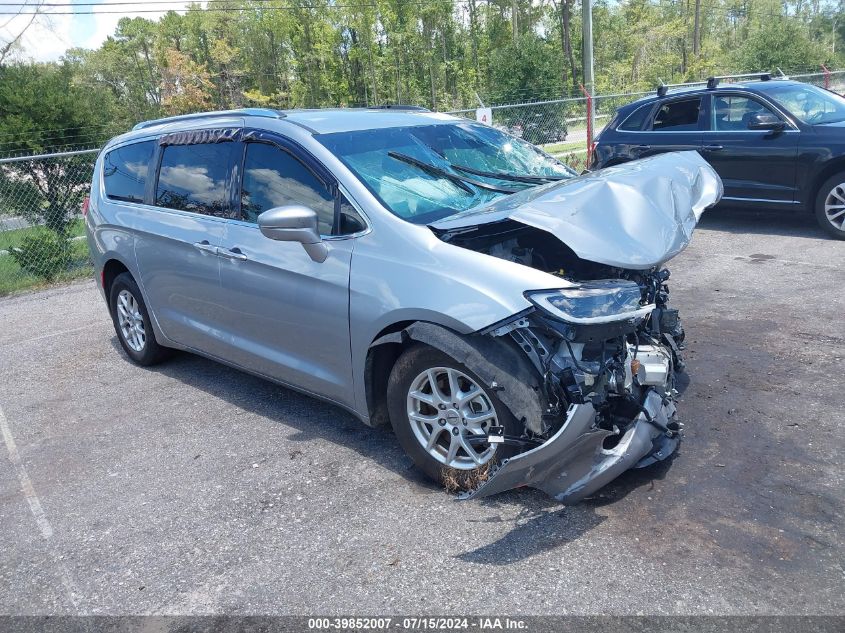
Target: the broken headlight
(592, 302)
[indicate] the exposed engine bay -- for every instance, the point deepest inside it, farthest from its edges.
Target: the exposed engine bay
(607, 383)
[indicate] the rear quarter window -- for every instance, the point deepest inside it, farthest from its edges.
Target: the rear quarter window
(126, 170)
(636, 119)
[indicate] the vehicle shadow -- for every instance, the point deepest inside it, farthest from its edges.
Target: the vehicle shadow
(768, 222)
(309, 417)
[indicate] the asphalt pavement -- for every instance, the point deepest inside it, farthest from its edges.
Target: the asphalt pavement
(192, 488)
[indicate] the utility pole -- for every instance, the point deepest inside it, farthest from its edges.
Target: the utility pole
(587, 37)
(696, 30)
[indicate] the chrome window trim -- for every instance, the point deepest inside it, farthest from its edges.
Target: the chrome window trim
(766, 200)
(190, 214)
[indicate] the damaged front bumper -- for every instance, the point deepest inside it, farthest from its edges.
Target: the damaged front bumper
(573, 463)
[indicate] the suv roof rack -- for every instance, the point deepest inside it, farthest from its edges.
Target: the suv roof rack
(260, 112)
(663, 88)
(398, 106)
(712, 82)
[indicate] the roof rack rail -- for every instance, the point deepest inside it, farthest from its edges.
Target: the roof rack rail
(663, 88)
(712, 82)
(260, 112)
(398, 106)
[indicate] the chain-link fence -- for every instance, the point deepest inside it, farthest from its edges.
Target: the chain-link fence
(41, 226)
(560, 126)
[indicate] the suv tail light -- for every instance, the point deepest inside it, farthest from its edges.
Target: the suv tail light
(85, 204)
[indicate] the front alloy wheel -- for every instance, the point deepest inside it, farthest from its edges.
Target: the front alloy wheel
(450, 416)
(834, 206)
(830, 206)
(441, 412)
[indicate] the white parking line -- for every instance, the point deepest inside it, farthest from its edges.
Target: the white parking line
(53, 334)
(26, 482)
(35, 507)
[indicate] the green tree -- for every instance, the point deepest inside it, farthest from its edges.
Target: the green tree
(43, 107)
(778, 43)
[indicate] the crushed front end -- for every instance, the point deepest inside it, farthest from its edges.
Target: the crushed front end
(607, 345)
(608, 351)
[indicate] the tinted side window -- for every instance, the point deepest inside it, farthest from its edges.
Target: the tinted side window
(732, 112)
(274, 178)
(125, 171)
(636, 119)
(196, 178)
(678, 116)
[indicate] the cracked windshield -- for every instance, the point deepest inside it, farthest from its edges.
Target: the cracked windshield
(426, 173)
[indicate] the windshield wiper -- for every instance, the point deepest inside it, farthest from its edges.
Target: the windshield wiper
(457, 180)
(534, 180)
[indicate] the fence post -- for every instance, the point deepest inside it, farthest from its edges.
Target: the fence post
(590, 119)
(826, 71)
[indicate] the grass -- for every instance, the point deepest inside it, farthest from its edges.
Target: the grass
(556, 149)
(14, 279)
(14, 237)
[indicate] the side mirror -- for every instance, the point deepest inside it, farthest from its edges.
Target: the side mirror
(765, 121)
(294, 223)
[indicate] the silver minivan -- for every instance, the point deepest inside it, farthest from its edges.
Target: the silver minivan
(506, 316)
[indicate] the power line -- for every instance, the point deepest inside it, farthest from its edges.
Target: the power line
(267, 7)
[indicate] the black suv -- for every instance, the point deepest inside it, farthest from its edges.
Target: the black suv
(775, 143)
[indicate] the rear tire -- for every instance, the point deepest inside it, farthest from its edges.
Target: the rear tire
(132, 322)
(830, 206)
(417, 413)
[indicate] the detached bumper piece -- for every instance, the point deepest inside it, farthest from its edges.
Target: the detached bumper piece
(572, 464)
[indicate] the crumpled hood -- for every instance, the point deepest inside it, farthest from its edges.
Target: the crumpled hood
(636, 215)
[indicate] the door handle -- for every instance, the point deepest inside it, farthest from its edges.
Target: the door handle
(642, 148)
(232, 253)
(713, 148)
(206, 247)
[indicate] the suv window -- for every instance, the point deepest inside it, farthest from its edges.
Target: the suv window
(678, 116)
(732, 112)
(196, 178)
(274, 178)
(125, 171)
(635, 121)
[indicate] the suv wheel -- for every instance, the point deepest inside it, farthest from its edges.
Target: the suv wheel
(830, 206)
(441, 413)
(132, 322)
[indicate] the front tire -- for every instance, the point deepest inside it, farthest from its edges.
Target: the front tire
(830, 206)
(132, 322)
(441, 413)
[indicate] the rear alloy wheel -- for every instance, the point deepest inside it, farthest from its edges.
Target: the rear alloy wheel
(132, 322)
(442, 413)
(830, 206)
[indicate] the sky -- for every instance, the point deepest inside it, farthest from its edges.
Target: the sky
(50, 36)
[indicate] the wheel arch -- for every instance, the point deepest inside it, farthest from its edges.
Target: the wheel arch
(111, 269)
(502, 366)
(831, 167)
